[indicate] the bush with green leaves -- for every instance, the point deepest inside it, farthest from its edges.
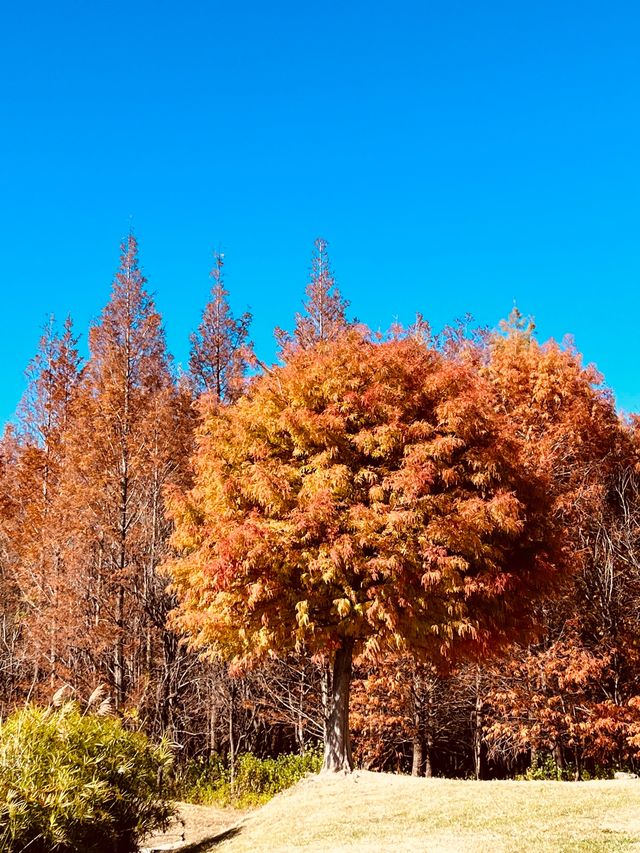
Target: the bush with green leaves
(72, 782)
(253, 781)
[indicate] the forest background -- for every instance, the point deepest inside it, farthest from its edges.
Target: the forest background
(97, 449)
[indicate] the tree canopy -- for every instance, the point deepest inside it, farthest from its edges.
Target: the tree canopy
(366, 495)
(402, 506)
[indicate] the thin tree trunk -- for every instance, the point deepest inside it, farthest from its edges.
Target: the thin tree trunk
(477, 730)
(337, 747)
(578, 773)
(232, 743)
(212, 690)
(416, 764)
(118, 649)
(300, 720)
(558, 757)
(428, 763)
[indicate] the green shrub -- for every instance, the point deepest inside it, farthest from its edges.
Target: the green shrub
(71, 782)
(543, 768)
(255, 780)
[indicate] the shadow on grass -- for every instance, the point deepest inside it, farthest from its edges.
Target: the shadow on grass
(211, 842)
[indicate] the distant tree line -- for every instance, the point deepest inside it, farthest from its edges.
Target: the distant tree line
(447, 522)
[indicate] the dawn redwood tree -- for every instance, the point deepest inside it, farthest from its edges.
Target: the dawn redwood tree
(12, 667)
(555, 701)
(324, 317)
(564, 419)
(572, 437)
(32, 529)
(220, 348)
(122, 447)
(362, 496)
(399, 708)
(408, 715)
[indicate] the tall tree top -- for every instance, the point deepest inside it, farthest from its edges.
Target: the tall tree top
(52, 375)
(127, 344)
(220, 348)
(324, 317)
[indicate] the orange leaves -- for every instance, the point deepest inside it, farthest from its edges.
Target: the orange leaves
(372, 482)
(220, 349)
(324, 318)
(555, 697)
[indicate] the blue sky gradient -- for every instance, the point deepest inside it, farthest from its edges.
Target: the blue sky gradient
(458, 156)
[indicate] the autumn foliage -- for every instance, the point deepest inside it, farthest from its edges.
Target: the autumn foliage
(449, 521)
(366, 496)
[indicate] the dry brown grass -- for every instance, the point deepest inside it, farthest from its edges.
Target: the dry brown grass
(376, 813)
(195, 830)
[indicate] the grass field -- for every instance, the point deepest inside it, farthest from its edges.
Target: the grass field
(376, 813)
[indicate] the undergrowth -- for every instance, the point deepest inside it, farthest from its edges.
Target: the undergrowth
(74, 782)
(253, 781)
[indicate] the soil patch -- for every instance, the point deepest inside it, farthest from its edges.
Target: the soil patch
(196, 829)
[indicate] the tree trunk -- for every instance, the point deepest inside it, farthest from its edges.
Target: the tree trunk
(477, 730)
(337, 746)
(416, 764)
(232, 742)
(325, 694)
(558, 757)
(428, 763)
(118, 650)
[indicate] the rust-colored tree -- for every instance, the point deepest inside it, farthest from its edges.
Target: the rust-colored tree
(399, 708)
(564, 693)
(324, 317)
(554, 700)
(123, 448)
(13, 671)
(364, 495)
(32, 527)
(220, 349)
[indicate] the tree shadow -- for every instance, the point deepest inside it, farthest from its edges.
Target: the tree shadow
(209, 843)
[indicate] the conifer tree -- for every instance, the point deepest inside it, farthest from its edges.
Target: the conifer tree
(220, 348)
(363, 495)
(37, 462)
(12, 668)
(121, 447)
(324, 317)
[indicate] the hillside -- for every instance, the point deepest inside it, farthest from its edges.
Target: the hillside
(368, 812)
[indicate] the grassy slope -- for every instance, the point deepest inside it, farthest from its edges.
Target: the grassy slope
(374, 813)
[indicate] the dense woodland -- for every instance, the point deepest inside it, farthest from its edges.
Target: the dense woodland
(533, 476)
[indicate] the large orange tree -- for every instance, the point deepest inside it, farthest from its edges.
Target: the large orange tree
(364, 496)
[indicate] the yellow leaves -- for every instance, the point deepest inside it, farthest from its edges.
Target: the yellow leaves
(302, 613)
(443, 447)
(256, 591)
(329, 575)
(450, 476)
(376, 494)
(333, 482)
(372, 649)
(366, 475)
(506, 512)
(399, 521)
(467, 629)
(343, 607)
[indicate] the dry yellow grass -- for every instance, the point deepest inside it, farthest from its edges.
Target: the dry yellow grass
(376, 813)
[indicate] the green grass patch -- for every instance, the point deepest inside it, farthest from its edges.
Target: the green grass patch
(253, 781)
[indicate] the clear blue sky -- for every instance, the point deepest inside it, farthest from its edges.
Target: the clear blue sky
(456, 155)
